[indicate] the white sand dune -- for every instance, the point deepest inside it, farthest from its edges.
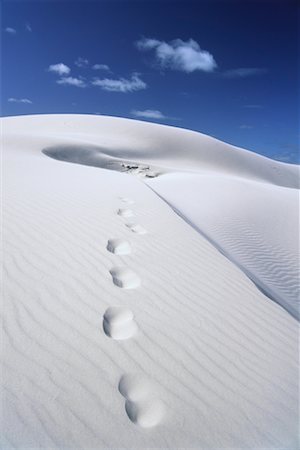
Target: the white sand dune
(255, 224)
(125, 326)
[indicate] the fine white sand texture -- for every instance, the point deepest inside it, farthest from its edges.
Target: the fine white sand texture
(153, 305)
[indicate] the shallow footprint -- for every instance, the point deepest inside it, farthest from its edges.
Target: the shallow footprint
(136, 228)
(125, 278)
(125, 212)
(145, 413)
(118, 323)
(127, 200)
(118, 246)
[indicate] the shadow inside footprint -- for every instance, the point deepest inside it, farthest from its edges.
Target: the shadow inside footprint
(125, 278)
(136, 228)
(118, 323)
(125, 212)
(135, 387)
(141, 406)
(146, 413)
(118, 246)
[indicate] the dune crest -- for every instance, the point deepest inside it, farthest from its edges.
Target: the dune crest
(199, 177)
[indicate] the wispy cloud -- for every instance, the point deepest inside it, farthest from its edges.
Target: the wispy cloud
(60, 69)
(28, 27)
(246, 127)
(287, 158)
(81, 62)
(244, 72)
(185, 56)
(121, 85)
(149, 114)
(289, 153)
(10, 30)
(19, 100)
(101, 67)
(72, 81)
(253, 106)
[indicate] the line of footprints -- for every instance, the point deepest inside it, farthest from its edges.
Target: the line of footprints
(118, 323)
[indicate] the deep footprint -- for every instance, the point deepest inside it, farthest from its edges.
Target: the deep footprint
(125, 278)
(118, 246)
(125, 212)
(136, 228)
(118, 323)
(145, 413)
(141, 408)
(135, 387)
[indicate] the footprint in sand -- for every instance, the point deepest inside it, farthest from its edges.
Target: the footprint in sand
(125, 212)
(125, 278)
(136, 228)
(127, 200)
(145, 413)
(118, 323)
(118, 246)
(140, 406)
(134, 387)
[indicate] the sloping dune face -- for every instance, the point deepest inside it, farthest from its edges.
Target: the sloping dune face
(247, 205)
(152, 305)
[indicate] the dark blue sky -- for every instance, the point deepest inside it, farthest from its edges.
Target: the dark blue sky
(236, 80)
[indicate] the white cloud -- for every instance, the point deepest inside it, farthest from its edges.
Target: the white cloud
(244, 72)
(78, 82)
(290, 153)
(19, 100)
(148, 44)
(101, 67)
(149, 114)
(10, 30)
(246, 127)
(121, 85)
(28, 27)
(60, 69)
(185, 56)
(81, 62)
